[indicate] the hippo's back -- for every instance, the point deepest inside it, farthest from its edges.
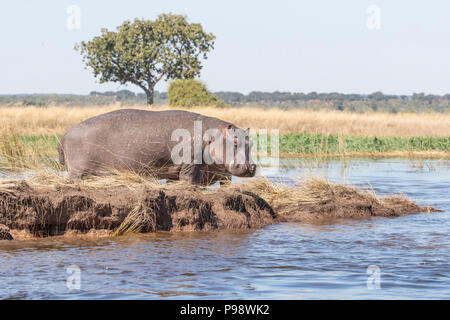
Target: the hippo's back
(125, 139)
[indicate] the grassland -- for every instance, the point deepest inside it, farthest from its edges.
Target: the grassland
(29, 135)
(55, 120)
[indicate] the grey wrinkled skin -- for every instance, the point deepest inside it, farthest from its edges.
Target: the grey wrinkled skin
(140, 141)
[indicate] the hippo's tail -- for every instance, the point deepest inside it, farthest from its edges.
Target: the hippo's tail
(61, 154)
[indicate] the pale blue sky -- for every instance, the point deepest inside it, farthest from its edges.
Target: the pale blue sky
(300, 46)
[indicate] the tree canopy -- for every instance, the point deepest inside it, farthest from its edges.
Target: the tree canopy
(190, 93)
(143, 52)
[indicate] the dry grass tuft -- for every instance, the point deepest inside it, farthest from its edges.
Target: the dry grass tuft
(315, 199)
(311, 190)
(138, 220)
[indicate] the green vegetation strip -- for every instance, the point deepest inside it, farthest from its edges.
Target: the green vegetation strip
(306, 143)
(40, 142)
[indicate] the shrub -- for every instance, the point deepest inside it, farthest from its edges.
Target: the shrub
(189, 93)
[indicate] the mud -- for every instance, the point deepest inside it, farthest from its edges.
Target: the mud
(5, 233)
(55, 211)
(27, 211)
(354, 207)
(314, 200)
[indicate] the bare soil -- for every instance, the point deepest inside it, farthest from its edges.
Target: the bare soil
(352, 206)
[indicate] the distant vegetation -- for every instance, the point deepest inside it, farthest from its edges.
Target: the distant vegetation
(338, 101)
(418, 102)
(191, 93)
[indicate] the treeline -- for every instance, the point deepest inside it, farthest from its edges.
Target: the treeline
(377, 101)
(277, 96)
(124, 97)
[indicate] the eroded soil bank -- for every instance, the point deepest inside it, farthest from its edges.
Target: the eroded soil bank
(28, 210)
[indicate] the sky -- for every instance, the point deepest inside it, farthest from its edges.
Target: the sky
(348, 46)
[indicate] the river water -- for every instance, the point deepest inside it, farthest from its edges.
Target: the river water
(378, 258)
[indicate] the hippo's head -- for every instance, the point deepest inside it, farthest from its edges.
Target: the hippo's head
(230, 147)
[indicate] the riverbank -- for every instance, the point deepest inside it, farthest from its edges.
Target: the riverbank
(51, 205)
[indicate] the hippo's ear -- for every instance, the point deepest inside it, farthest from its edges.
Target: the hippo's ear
(226, 130)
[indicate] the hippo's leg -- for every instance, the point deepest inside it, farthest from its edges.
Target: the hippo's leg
(225, 181)
(80, 174)
(75, 173)
(211, 177)
(82, 168)
(191, 173)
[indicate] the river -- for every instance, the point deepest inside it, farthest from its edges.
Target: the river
(378, 258)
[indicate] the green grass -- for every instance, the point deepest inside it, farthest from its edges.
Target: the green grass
(28, 152)
(305, 143)
(40, 142)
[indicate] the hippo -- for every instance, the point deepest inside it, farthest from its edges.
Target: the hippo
(170, 144)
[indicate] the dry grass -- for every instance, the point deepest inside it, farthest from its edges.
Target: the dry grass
(310, 190)
(314, 198)
(55, 120)
(50, 180)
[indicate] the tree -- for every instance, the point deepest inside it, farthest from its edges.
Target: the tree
(144, 51)
(189, 93)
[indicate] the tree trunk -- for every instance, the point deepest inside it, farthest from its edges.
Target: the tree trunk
(149, 93)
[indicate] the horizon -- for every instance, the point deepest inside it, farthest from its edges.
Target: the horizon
(220, 91)
(360, 48)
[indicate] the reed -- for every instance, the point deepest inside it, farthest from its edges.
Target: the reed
(18, 152)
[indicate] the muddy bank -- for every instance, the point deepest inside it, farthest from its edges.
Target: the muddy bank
(49, 209)
(356, 206)
(5, 233)
(57, 210)
(317, 201)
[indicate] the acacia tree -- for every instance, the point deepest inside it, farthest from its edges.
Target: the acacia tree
(143, 52)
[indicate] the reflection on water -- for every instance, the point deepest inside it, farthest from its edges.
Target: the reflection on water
(285, 261)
